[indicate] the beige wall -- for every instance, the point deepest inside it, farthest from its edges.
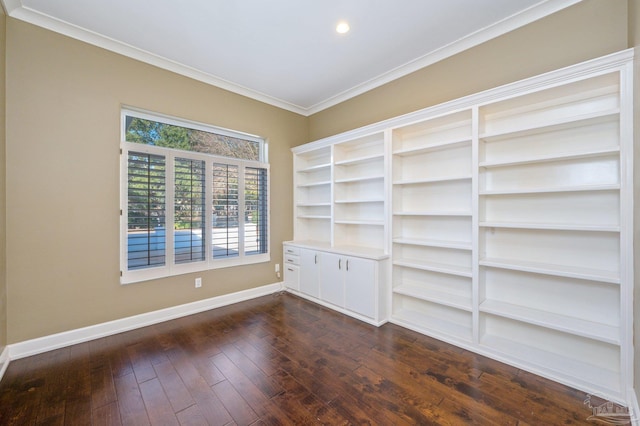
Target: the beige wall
(63, 124)
(3, 269)
(587, 30)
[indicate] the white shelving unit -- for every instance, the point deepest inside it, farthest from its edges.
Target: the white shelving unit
(550, 214)
(359, 192)
(432, 223)
(340, 196)
(507, 216)
(312, 194)
(341, 226)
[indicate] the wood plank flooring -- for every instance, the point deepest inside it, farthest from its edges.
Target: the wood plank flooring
(277, 360)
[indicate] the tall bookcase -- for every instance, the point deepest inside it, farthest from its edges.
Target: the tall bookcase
(551, 189)
(339, 255)
(507, 216)
(432, 225)
(359, 192)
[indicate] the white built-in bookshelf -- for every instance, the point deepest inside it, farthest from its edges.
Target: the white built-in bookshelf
(432, 219)
(506, 217)
(340, 253)
(358, 192)
(432, 222)
(549, 242)
(312, 196)
(340, 195)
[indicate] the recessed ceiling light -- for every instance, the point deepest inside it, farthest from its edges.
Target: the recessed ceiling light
(342, 27)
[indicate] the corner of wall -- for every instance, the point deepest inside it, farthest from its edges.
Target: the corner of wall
(3, 275)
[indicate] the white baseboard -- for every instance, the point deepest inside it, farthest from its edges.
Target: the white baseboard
(4, 361)
(72, 337)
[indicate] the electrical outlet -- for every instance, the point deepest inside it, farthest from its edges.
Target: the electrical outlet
(277, 267)
(198, 282)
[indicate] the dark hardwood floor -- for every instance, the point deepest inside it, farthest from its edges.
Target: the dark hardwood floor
(277, 360)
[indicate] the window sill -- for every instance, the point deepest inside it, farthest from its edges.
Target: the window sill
(131, 277)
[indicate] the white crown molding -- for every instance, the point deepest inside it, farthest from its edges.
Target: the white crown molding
(504, 26)
(17, 10)
(85, 334)
(10, 5)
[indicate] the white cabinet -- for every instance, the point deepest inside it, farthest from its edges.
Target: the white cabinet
(349, 282)
(292, 268)
(353, 285)
(309, 272)
(332, 278)
(361, 293)
(507, 216)
(292, 277)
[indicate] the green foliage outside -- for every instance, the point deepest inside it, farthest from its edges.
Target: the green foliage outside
(147, 132)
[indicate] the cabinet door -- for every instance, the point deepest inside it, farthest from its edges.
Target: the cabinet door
(331, 278)
(360, 286)
(309, 283)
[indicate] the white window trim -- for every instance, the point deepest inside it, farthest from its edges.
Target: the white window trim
(170, 268)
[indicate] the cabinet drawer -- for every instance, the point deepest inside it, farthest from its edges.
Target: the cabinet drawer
(290, 259)
(292, 277)
(289, 250)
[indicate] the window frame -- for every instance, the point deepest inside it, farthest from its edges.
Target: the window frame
(171, 268)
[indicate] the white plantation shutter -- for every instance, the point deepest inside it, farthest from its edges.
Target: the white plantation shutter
(256, 208)
(189, 209)
(225, 239)
(146, 206)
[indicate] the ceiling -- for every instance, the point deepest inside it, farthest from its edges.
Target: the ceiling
(286, 52)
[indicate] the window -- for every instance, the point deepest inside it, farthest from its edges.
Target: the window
(209, 187)
(146, 210)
